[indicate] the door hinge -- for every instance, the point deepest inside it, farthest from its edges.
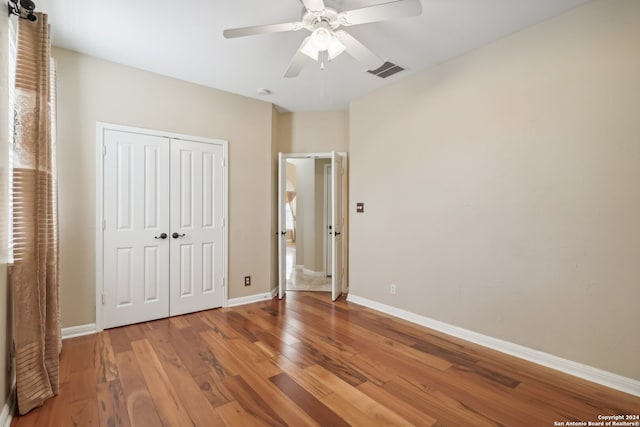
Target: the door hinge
(104, 224)
(104, 151)
(104, 299)
(222, 281)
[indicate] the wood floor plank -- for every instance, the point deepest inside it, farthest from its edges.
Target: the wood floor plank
(112, 405)
(119, 339)
(84, 413)
(273, 397)
(194, 401)
(344, 392)
(233, 414)
(65, 363)
(104, 359)
(55, 411)
(84, 385)
(335, 365)
(399, 406)
(307, 361)
(446, 410)
(252, 354)
(180, 322)
(138, 331)
(81, 354)
(140, 406)
(252, 402)
(305, 400)
(169, 405)
(213, 389)
(302, 377)
(218, 325)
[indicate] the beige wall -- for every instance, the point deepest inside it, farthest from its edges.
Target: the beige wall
(509, 181)
(91, 90)
(5, 321)
(313, 132)
(274, 199)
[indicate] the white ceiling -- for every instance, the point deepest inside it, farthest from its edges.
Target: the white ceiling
(183, 39)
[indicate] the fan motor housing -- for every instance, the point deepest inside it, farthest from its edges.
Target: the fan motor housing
(328, 16)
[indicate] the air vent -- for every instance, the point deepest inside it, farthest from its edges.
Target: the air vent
(385, 70)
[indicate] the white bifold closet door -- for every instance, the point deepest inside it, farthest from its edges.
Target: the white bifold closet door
(163, 227)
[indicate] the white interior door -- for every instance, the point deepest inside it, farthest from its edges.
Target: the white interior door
(136, 214)
(328, 229)
(197, 273)
(282, 226)
(337, 221)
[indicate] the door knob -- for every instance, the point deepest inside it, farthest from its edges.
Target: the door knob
(176, 235)
(337, 233)
(162, 236)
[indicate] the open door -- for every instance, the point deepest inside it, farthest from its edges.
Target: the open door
(282, 226)
(337, 219)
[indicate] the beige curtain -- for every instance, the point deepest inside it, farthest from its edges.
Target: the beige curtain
(34, 274)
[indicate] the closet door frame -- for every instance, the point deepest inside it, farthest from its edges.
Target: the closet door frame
(101, 128)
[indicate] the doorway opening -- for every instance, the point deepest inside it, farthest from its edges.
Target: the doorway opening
(307, 227)
(311, 223)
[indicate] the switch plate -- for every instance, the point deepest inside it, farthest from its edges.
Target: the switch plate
(247, 280)
(359, 207)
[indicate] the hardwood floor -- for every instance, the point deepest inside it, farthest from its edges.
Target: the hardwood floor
(306, 361)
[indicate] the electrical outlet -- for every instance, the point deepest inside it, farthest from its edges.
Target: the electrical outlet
(247, 280)
(392, 289)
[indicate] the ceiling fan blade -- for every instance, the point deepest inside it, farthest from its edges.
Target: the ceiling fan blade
(262, 29)
(363, 54)
(314, 5)
(297, 62)
(381, 12)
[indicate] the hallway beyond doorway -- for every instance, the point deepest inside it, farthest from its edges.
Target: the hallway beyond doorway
(298, 280)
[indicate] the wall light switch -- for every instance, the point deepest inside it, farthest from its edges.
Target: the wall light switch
(359, 207)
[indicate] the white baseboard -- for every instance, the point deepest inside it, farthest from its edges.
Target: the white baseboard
(78, 331)
(589, 373)
(249, 299)
(9, 408)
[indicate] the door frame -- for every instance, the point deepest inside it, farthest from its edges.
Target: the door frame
(101, 128)
(280, 290)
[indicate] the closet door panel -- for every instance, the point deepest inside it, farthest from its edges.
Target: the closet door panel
(196, 226)
(136, 213)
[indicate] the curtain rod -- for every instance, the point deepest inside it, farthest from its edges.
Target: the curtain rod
(23, 9)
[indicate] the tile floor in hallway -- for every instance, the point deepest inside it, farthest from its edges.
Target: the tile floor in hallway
(298, 280)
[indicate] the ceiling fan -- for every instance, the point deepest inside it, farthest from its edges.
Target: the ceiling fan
(326, 40)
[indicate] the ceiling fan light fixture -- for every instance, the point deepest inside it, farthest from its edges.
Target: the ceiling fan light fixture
(321, 38)
(335, 48)
(310, 50)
